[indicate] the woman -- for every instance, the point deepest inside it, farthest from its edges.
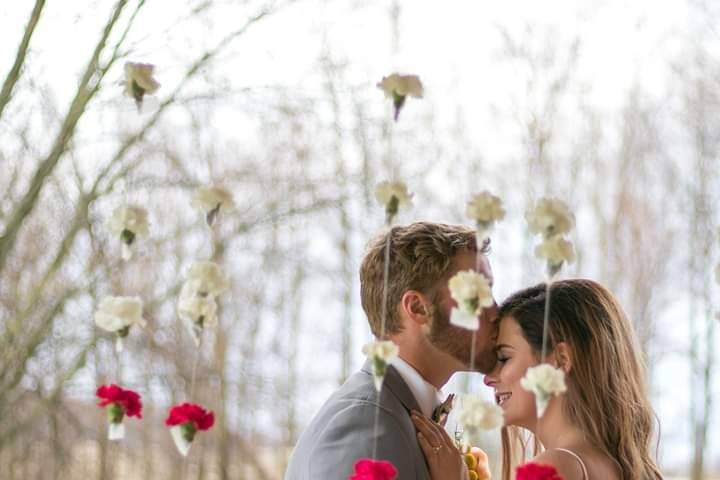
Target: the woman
(601, 428)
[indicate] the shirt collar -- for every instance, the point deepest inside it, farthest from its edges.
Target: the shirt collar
(428, 397)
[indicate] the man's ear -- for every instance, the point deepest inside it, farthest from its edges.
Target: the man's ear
(415, 307)
(563, 357)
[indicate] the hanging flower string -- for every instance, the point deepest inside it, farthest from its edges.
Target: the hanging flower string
(118, 315)
(118, 403)
(398, 87)
(128, 223)
(185, 420)
(551, 219)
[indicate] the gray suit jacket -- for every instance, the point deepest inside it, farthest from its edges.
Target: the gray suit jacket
(342, 432)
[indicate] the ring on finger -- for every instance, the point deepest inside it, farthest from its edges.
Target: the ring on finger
(437, 450)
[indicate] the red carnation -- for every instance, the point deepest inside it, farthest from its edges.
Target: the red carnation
(124, 402)
(537, 471)
(190, 413)
(184, 421)
(367, 469)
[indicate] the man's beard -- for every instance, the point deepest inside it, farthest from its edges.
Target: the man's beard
(456, 341)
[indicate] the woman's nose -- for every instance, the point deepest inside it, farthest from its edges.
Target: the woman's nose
(490, 380)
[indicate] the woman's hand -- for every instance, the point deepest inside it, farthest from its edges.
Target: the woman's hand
(443, 457)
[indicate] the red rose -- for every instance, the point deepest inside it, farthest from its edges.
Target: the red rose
(367, 469)
(127, 400)
(190, 413)
(536, 471)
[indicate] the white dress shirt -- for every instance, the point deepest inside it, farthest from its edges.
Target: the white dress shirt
(428, 397)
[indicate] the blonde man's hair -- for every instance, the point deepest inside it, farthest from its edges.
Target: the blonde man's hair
(421, 257)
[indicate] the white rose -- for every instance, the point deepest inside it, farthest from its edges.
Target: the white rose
(117, 313)
(478, 414)
(130, 218)
(485, 208)
(471, 290)
(385, 350)
(544, 381)
(401, 85)
(380, 353)
(550, 217)
(207, 279)
(556, 250)
(393, 196)
(209, 198)
(195, 308)
(139, 80)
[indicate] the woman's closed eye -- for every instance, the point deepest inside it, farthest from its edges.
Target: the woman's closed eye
(502, 359)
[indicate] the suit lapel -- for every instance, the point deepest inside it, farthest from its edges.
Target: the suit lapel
(397, 386)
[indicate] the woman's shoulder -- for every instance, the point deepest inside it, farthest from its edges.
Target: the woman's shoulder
(567, 465)
(579, 463)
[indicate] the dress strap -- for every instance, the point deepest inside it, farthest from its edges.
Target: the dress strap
(577, 457)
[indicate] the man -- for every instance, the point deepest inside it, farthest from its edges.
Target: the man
(356, 422)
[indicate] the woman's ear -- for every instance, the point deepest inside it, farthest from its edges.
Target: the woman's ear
(563, 357)
(415, 307)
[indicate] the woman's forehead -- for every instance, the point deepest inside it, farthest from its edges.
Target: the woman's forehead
(509, 330)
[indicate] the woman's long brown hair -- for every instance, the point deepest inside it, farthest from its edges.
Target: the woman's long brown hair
(607, 392)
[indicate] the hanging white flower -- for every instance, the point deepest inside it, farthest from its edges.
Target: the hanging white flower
(393, 196)
(207, 279)
(211, 200)
(486, 209)
(550, 217)
(544, 381)
(380, 353)
(556, 251)
(399, 87)
(472, 292)
(196, 311)
(139, 81)
(128, 223)
(477, 414)
(118, 314)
